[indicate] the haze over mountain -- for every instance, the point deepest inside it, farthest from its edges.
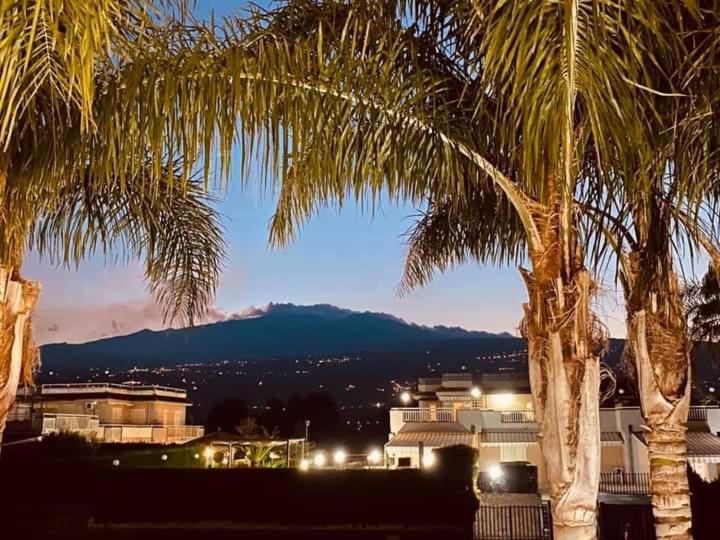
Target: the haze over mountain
(277, 330)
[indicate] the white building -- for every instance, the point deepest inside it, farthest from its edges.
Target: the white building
(495, 415)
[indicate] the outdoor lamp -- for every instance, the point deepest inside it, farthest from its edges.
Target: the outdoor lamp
(405, 397)
(374, 456)
(339, 456)
(495, 472)
(304, 464)
(475, 392)
(164, 457)
(428, 460)
(320, 460)
(207, 453)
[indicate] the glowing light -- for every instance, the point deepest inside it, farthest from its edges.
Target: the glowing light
(304, 464)
(503, 400)
(495, 472)
(207, 453)
(116, 462)
(196, 456)
(339, 456)
(375, 456)
(621, 391)
(428, 460)
(164, 457)
(405, 397)
(475, 392)
(274, 455)
(320, 459)
(711, 389)
(225, 461)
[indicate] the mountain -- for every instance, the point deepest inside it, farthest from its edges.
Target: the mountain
(278, 330)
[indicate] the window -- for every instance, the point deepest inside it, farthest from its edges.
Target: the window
(513, 452)
(404, 462)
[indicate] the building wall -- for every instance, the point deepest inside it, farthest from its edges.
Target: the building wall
(612, 457)
(112, 411)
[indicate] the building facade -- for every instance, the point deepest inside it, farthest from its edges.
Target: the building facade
(495, 415)
(106, 412)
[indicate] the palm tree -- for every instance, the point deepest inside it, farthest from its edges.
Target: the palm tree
(65, 192)
(440, 98)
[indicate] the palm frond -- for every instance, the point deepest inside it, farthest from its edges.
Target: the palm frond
(176, 231)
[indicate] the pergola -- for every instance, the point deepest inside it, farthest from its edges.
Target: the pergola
(227, 443)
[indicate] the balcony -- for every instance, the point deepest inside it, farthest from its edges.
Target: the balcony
(46, 423)
(517, 417)
(698, 414)
(128, 433)
(625, 483)
(428, 415)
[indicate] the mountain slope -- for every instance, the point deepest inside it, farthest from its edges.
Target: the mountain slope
(280, 330)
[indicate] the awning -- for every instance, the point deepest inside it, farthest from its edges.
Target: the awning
(703, 447)
(412, 439)
(492, 438)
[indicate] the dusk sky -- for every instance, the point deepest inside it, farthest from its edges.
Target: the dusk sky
(349, 259)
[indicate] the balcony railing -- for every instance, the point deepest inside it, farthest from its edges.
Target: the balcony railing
(518, 417)
(129, 433)
(89, 388)
(625, 483)
(428, 415)
(46, 423)
(698, 414)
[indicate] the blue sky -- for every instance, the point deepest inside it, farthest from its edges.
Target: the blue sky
(349, 259)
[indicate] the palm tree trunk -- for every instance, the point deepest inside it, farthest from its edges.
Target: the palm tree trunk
(565, 383)
(661, 351)
(18, 352)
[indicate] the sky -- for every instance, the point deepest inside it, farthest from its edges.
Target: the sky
(349, 259)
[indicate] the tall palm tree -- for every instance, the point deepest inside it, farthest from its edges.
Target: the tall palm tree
(58, 62)
(420, 97)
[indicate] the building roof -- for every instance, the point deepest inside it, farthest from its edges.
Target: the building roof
(433, 427)
(222, 437)
(490, 438)
(703, 447)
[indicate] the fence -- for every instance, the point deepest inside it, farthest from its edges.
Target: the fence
(428, 415)
(530, 522)
(517, 417)
(625, 483)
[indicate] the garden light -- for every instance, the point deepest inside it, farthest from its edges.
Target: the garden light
(304, 464)
(320, 460)
(339, 456)
(428, 460)
(374, 456)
